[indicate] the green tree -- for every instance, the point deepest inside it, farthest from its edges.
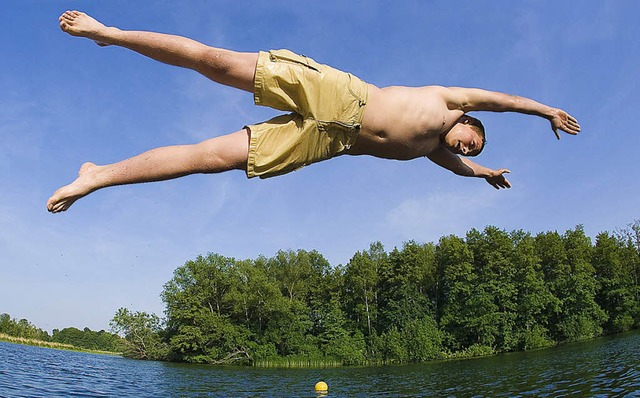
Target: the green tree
(336, 341)
(423, 339)
(21, 328)
(290, 327)
(200, 307)
(494, 300)
(361, 279)
(549, 247)
(454, 262)
(6, 325)
(582, 316)
(615, 288)
(293, 270)
(405, 279)
(533, 296)
(631, 238)
(393, 347)
(88, 339)
(141, 332)
(251, 293)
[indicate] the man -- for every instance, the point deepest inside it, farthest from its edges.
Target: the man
(333, 113)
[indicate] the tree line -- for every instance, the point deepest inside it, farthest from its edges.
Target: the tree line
(84, 339)
(491, 291)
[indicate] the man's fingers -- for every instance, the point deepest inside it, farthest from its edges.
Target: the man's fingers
(570, 125)
(574, 121)
(575, 126)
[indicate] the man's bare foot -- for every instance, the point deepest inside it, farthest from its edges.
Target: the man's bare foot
(79, 24)
(64, 197)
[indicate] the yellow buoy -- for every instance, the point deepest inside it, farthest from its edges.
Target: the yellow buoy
(321, 386)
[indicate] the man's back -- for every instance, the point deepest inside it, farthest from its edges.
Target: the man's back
(404, 122)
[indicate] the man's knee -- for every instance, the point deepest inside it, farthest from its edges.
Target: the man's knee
(223, 153)
(228, 67)
(209, 156)
(215, 60)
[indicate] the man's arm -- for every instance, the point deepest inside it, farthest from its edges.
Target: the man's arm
(475, 99)
(465, 167)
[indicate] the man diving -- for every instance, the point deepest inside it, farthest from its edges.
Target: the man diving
(331, 113)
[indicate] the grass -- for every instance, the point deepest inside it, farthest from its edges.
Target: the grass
(49, 344)
(297, 362)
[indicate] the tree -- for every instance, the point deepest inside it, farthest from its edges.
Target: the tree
(549, 247)
(6, 325)
(615, 288)
(533, 296)
(141, 333)
(293, 270)
(407, 277)
(361, 279)
(454, 262)
(336, 341)
(22, 328)
(630, 237)
(251, 292)
(88, 339)
(200, 311)
(582, 316)
(494, 302)
(423, 339)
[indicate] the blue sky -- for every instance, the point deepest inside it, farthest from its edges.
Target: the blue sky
(64, 101)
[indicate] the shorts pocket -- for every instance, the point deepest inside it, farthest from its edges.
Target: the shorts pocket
(286, 56)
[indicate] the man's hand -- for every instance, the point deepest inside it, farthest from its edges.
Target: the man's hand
(497, 179)
(561, 120)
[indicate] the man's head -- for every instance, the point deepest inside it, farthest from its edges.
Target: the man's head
(466, 137)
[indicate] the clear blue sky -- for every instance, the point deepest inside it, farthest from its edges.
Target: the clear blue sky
(64, 101)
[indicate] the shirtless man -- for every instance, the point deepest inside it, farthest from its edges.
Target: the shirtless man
(333, 113)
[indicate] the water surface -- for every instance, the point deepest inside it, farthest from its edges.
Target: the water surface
(602, 368)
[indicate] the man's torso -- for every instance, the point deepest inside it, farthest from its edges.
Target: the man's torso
(404, 122)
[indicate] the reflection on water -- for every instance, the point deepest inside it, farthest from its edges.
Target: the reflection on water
(603, 367)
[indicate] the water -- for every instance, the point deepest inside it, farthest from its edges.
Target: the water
(608, 367)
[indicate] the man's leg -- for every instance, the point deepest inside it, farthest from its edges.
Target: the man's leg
(227, 67)
(214, 155)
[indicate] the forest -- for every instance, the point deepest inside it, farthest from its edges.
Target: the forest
(491, 291)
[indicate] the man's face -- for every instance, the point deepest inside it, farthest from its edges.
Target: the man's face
(462, 139)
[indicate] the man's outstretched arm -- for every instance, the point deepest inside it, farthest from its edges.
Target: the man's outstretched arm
(465, 167)
(475, 99)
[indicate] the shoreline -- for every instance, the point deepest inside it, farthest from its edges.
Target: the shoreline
(52, 345)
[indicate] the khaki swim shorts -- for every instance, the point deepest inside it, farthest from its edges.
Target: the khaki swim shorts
(327, 107)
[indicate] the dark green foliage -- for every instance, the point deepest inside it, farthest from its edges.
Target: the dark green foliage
(142, 334)
(88, 339)
(617, 286)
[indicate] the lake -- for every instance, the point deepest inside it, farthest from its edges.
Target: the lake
(603, 367)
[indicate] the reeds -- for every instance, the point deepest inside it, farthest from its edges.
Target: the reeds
(297, 362)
